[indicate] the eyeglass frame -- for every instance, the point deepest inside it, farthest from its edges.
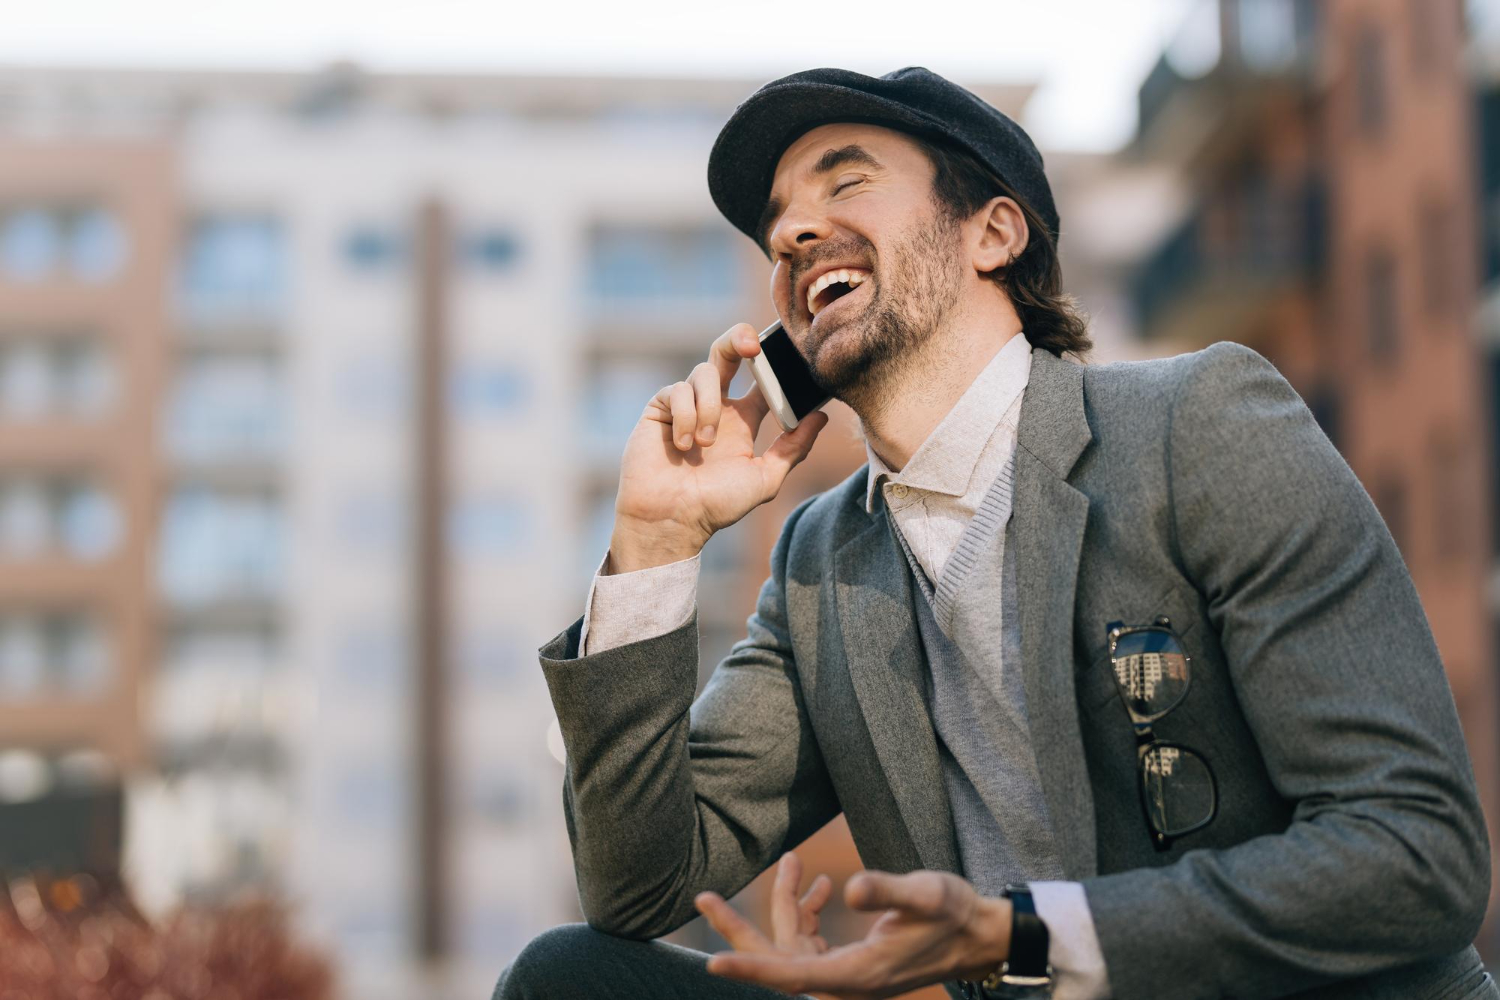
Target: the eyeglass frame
(1146, 740)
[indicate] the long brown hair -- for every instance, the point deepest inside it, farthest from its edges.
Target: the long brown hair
(1051, 318)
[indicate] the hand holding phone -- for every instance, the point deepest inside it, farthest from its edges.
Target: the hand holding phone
(784, 378)
(690, 467)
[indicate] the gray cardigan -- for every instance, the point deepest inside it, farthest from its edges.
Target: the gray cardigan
(1349, 856)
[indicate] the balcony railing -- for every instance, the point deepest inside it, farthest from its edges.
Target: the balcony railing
(1228, 257)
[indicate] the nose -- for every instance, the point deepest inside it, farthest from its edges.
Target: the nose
(796, 229)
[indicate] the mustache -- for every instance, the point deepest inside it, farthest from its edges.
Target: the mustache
(830, 251)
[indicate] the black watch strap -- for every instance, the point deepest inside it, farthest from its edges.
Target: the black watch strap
(1026, 972)
(1029, 940)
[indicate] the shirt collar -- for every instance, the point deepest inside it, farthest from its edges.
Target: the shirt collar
(945, 461)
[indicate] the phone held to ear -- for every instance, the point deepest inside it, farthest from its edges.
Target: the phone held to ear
(784, 378)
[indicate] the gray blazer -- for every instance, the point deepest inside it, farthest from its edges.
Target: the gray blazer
(1349, 856)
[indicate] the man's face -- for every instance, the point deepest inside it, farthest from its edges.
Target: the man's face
(858, 198)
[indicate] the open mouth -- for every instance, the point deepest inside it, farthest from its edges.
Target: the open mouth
(834, 285)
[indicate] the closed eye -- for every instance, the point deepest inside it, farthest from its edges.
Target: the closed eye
(848, 184)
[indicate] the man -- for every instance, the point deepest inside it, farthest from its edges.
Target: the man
(1132, 635)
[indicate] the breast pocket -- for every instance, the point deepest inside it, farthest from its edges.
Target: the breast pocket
(1096, 686)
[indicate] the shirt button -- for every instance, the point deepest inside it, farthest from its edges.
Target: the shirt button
(898, 490)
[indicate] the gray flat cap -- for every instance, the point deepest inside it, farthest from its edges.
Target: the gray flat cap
(743, 161)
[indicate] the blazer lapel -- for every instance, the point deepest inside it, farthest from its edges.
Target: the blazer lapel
(885, 661)
(1048, 524)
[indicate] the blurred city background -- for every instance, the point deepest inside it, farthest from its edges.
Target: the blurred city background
(313, 384)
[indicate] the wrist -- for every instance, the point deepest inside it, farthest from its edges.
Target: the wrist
(635, 547)
(991, 933)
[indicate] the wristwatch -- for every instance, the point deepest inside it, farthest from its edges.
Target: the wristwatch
(1025, 973)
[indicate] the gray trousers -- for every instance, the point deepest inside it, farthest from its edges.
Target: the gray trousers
(576, 962)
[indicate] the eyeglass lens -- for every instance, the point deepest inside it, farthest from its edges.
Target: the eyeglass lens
(1152, 672)
(1179, 788)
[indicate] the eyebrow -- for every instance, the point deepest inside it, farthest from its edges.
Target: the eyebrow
(831, 160)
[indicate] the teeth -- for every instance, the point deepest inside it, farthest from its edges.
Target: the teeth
(848, 277)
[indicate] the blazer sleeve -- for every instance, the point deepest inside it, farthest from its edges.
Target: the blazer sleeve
(1386, 860)
(665, 796)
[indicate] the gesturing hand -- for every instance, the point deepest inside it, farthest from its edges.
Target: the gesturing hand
(934, 927)
(794, 923)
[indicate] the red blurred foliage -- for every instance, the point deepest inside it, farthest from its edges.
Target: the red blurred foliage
(77, 939)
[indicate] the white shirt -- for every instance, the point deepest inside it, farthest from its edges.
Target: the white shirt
(932, 500)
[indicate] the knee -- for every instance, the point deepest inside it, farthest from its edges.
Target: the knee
(551, 959)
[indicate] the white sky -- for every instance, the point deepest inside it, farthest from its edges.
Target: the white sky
(1088, 56)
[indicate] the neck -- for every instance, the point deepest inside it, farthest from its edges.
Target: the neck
(899, 409)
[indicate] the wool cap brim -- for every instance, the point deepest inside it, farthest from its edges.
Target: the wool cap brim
(742, 163)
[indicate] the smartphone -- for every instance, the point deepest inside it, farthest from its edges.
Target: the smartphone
(784, 378)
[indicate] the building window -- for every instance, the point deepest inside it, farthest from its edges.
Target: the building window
(374, 385)
(486, 658)
(1381, 302)
(488, 527)
(368, 797)
(1428, 22)
(1370, 81)
(30, 244)
(617, 393)
(1455, 491)
(40, 242)
(218, 546)
(650, 268)
(372, 657)
(595, 534)
(89, 522)
(372, 521)
(57, 515)
(371, 249)
(490, 250)
(50, 377)
(54, 377)
(1268, 33)
(227, 407)
(97, 245)
(1443, 280)
(489, 389)
(26, 380)
(52, 653)
(234, 270)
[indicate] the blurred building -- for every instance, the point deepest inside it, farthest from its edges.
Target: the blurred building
(84, 246)
(314, 391)
(1326, 150)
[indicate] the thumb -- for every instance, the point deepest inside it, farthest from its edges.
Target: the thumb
(788, 450)
(914, 892)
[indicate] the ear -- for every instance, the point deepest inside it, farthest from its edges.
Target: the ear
(999, 236)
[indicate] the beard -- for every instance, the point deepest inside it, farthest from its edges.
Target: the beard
(917, 282)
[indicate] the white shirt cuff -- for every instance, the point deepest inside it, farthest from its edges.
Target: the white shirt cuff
(628, 607)
(1078, 971)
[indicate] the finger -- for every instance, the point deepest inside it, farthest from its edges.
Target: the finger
(813, 902)
(738, 342)
(739, 932)
(684, 415)
(709, 396)
(752, 407)
(785, 918)
(919, 893)
(660, 407)
(847, 969)
(788, 451)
